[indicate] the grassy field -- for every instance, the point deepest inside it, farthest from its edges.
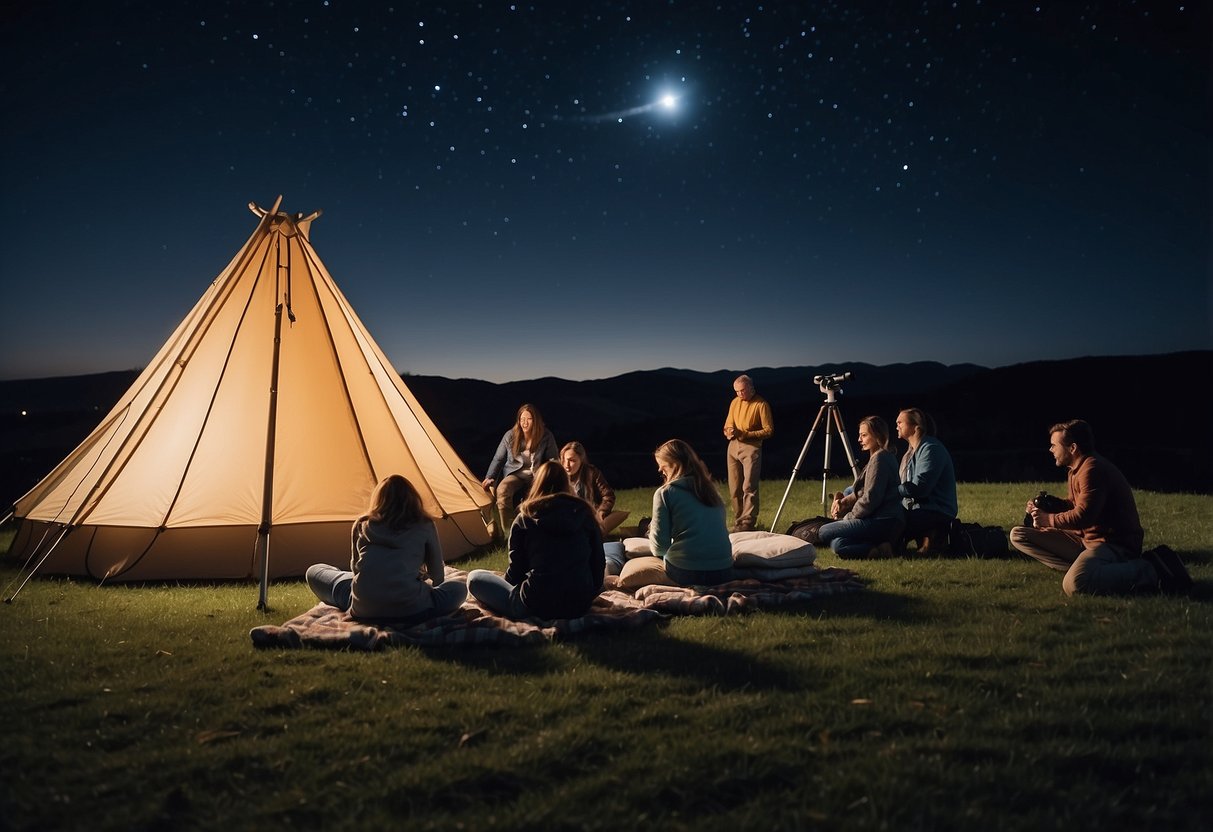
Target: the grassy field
(951, 694)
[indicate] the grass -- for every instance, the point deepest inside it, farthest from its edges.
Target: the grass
(952, 694)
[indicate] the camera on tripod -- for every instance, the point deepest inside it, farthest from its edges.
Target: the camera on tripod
(831, 382)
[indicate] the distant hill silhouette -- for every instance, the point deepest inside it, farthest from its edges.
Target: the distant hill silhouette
(1151, 416)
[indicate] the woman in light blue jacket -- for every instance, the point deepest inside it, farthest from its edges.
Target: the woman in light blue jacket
(928, 482)
(688, 530)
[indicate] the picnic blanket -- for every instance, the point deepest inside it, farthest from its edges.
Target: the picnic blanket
(325, 626)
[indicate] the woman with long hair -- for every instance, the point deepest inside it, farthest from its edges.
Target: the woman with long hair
(588, 483)
(688, 531)
(869, 515)
(556, 558)
(389, 546)
(522, 449)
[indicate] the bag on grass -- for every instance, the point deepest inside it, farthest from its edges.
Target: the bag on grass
(973, 540)
(807, 530)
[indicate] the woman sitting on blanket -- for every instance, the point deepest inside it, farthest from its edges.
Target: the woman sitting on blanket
(522, 449)
(588, 483)
(869, 515)
(688, 531)
(389, 545)
(556, 560)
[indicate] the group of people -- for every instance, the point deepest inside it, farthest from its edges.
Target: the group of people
(557, 508)
(557, 559)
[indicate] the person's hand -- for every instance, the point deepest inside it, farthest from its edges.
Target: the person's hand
(1041, 519)
(487, 484)
(729, 431)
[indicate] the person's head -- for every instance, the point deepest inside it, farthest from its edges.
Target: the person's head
(676, 459)
(873, 433)
(396, 503)
(743, 387)
(549, 479)
(573, 459)
(529, 420)
(1070, 440)
(913, 424)
(528, 427)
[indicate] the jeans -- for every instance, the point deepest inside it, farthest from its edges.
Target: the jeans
(615, 557)
(333, 586)
(496, 594)
(330, 584)
(856, 538)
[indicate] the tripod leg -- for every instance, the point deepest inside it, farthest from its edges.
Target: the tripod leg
(825, 466)
(842, 434)
(796, 468)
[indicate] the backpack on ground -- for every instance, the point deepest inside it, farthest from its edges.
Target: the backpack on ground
(807, 530)
(973, 540)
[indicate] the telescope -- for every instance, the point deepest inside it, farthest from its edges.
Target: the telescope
(831, 382)
(829, 416)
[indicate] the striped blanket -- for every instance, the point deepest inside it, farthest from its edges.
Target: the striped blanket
(327, 627)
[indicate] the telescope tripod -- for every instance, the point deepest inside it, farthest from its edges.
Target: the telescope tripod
(828, 415)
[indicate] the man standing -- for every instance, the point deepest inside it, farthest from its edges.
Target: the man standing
(1097, 540)
(747, 425)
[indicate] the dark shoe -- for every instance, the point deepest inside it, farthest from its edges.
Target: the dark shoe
(1173, 577)
(884, 550)
(642, 529)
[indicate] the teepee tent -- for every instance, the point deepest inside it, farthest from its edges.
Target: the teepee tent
(251, 441)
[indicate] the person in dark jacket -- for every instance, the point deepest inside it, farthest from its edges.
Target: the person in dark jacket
(588, 483)
(556, 557)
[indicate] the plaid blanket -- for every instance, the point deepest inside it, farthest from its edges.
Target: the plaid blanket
(327, 627)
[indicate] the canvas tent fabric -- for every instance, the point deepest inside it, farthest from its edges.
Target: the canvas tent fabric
(251, 441)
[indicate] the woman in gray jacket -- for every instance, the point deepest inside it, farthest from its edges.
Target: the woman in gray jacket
(871, 516)
(389, 546)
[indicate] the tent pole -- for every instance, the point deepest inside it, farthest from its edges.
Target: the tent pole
(267, 494)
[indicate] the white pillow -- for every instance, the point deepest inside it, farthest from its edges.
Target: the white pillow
(768, 549)
(637, 547)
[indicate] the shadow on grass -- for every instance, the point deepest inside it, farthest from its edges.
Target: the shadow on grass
(651, 651)
(1202, 591)
(654, 651)
(874, 604)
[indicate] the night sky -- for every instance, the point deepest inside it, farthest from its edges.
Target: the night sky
(515, 190)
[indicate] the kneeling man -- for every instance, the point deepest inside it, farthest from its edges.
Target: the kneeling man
(1097, 540)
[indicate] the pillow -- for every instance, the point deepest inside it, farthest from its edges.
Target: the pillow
(768, 549)
(637, 547)
(644, 571)
(612, 521)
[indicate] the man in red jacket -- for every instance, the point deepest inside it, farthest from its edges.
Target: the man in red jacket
(1097, 539)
